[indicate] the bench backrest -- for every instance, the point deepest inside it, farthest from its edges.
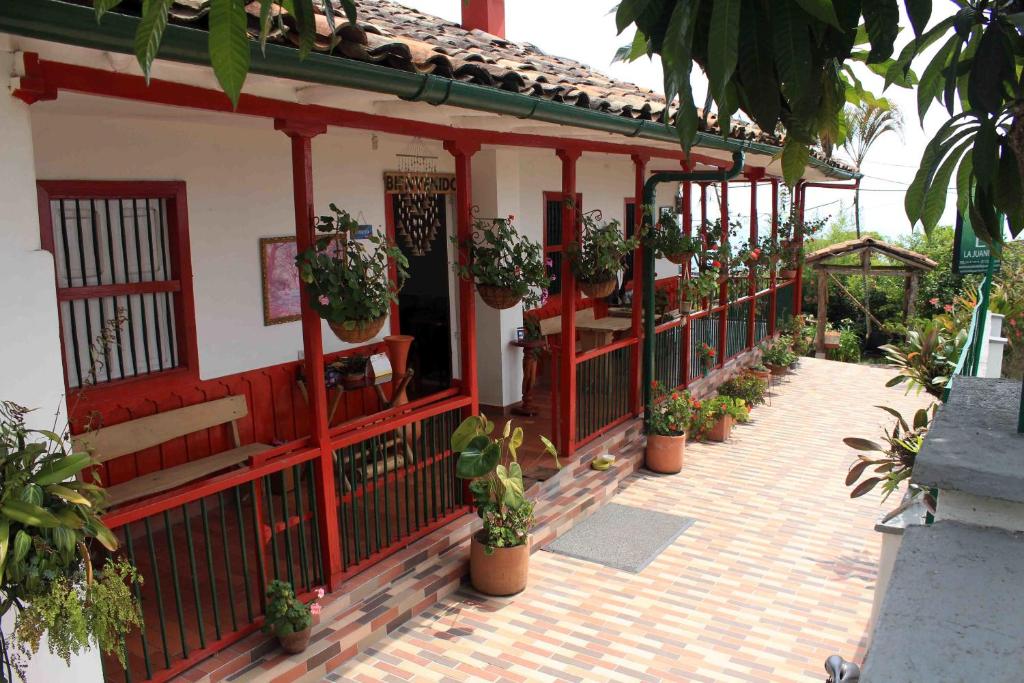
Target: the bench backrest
(145, 432)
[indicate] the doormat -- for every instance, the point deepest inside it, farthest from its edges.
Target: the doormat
(621, 537)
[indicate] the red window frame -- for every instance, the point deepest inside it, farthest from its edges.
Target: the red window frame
(180, 265)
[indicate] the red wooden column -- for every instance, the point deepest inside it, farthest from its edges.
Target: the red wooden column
(639, 176)
(687, 229)
(723, 289)
(301, 135)
(463, 152)
(799, 196)
(754, 175)
(566, 427)
(773, 305)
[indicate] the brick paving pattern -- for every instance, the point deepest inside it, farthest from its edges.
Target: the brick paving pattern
(776, 574)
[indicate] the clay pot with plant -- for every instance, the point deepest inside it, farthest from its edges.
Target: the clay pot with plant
(500, 552)
(719, 415)
(506, 267)
(668, 241)
(776, 354)
(348, 280)
(600, 255)
(288, 618)
(666, 436)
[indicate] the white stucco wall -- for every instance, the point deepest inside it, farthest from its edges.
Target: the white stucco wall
(238, 179)
(30, 363)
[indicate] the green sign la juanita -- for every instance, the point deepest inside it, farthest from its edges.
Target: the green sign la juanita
(970, 254)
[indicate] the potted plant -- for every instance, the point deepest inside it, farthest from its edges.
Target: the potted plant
(669, 242)
(706, 356)
(349, 372)
(506, 266)
(598, 257)
(348, 279)
(761, 372)
(746, 386)
(50, 523)
(720, 414)
(666, 435)
(777, 356)
(500, 552)
(288, 618)
(695, 289)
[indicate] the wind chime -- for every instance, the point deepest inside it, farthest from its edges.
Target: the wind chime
(417, 218)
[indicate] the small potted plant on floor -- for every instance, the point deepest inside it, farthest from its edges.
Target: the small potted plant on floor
(666, 435)
(777, 355)
(669, 242)
(506, 266)
(499, 559)
(720, 414)
(746, 386)
(599, 256)
(761, 372)
(288, 618)
(348, 279)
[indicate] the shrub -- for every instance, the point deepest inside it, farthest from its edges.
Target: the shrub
(750, 388)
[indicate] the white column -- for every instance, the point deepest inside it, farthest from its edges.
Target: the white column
(496, 193)
(30, 361)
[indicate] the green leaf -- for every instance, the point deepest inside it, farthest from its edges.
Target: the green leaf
(305, 17)
(881, 19)
(992, 63)
(1007, 184)
(899, 417)
(935, 198)
(794, 160)
(229, 45)
(628, 11)
(862, 444)
(69, 495)
(62, 469)
(985, 153)
(20, 548)
(29, 514)
(150, 31)
(932, 82)
(513, 491)
(550, 449)
(919, 12)
(465, 432)
(921, 418)
(864, 487)
(723, 50)
(515, 441)
(964, 184)
(266, 18)
(104, 535)
(349, 8)
(478, 459)
(103, 6)
(821, 10)
(5, 541)
(756, 68)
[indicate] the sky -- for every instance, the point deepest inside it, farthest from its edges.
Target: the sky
(585, 30)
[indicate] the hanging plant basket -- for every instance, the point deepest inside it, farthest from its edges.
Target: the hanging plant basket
(681, 258)
(498, 297)
(599, 290)
(685, 306)
(357, 331)
(787, 274)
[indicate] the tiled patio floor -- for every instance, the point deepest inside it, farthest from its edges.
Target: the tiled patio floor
(776, 574)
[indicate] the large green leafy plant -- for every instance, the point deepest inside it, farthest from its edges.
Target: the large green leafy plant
(349, 278)
(927, 358)
(601, 251)
(496, 479)
(49, 522)
(499, 256)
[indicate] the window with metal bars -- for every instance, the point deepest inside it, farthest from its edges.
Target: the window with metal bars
(555, 238)
(629, 225)
(123, 278)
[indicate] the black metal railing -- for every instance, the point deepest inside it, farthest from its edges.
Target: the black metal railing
(762, 308)
(784, 305)
(602, 391)
(736, 327)
(668, 358)
(703, 330)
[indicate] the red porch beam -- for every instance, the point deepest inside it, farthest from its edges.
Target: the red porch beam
(639, 176)
(773, 302)
(49, 77)
(723, 288)
(463, 151)
(301, 135)
(566, 427)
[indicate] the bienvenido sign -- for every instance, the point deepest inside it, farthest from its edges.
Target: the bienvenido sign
(428, 183)
(970, 254)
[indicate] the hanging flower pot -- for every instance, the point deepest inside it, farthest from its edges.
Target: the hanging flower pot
(498, 297)
(506, 267)
(598, 290)
(347, 279)
(787, 273)
(681, 258)
(685, 306)
(357, 331)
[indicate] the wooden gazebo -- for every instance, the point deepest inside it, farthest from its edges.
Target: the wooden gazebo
(909, 265)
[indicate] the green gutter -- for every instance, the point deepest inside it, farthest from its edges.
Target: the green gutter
(63, 22)
(648, 254)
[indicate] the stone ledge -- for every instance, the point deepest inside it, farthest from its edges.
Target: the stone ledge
(954, 610)
(973, 445)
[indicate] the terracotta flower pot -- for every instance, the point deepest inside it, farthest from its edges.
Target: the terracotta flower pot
(787, 274)
(498, 297)
(357, 331)
(294, 643)
(722, 428)
(598, 290)
(762, 374)
(503, 572)
(682, 258)
(685, 306)
(665, 453)
(777, 369)
(831, 340)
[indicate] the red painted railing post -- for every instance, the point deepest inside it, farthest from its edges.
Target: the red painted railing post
(723, 287)
(639, 176)
(566, 428)
(302, 135)
(773, 301)
(754, 175)
(687, 229)
(463, 151)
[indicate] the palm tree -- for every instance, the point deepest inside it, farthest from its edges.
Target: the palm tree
(865, 124)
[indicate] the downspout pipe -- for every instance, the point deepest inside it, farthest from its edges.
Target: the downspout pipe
(650, 186)
(73, 24)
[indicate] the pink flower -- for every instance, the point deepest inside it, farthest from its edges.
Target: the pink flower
(511, 217)
(324, 301)
(319, 593)
(948, 308)
(934, 301)
(550, 263)
(314, 609)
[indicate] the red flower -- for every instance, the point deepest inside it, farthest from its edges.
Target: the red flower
(716, 264)
(675, 396)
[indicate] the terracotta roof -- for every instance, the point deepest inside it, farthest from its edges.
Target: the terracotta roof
(911, 258)
(399, 37)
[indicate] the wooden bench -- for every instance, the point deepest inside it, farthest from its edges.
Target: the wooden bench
(146, 432)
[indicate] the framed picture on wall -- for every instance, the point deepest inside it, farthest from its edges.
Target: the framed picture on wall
(280, 280)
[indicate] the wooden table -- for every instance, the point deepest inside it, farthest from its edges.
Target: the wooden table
(601, 332)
